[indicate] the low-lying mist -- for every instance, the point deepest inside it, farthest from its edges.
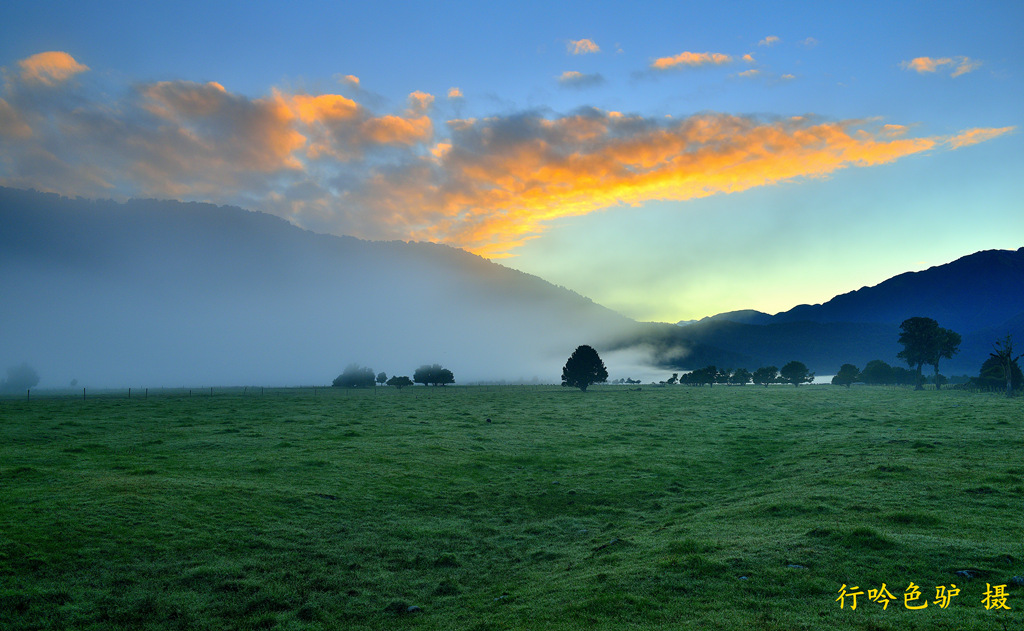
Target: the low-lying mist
(169, 294)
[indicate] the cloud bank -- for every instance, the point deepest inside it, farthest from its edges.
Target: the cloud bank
(330, 163)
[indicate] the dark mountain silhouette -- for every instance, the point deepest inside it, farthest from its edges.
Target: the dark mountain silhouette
(980, 296)
(971, 293)
(169, 293)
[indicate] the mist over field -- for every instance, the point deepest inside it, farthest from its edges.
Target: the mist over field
(150, 294)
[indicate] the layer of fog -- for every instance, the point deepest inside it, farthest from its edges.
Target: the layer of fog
(150, 294)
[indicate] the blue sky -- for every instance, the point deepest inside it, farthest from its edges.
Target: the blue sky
(669, 160)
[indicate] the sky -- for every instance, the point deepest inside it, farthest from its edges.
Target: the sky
(669, 160)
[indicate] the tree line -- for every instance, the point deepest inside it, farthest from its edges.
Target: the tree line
(356, 376)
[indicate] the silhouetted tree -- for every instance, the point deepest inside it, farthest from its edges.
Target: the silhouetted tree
(925, 342)
(796, 373)
(382, 377)
(765, 375)
(19, 379)
(583, 368)
(740, 377)
(1004, 358)
(433, 375)
(399, 382)
(673, 379)
(706, 375)
(355, 376)
(877, 372)
(947, 343)
(847, 374)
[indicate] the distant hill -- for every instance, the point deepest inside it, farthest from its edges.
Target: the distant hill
(980, 296)
(971, 293)
(150, 293)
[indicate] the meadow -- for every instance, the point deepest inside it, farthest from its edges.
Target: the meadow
(666, 508)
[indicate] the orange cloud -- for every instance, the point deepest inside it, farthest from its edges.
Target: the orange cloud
(691, 60)
(768, 41)
(582, 47)
(454, 93)
(504, 179)
(961, 65)
(12, 123)
(974, 136)
(50, 68)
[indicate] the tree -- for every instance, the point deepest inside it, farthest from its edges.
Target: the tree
(706, 375)
(433, 375)
(847, 374)
(877, 372)
(382, 377)
(19, 379)
(399, 382)
(765, 375)
(796, 373)
(740, 377)
(917, 337)
(947, 343)
(925, 342)
(355, 376)
(583, 368)
(1004, 358)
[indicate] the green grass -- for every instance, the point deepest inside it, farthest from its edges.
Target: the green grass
(670, 508)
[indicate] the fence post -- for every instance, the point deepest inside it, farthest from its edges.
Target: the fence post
(28, 395)
(129, 393)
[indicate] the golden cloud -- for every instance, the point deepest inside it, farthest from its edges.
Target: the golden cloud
(454, 93)
(503, 179)
(768, 41)
(50, 68)
(961, 65)
(974, 136)
(582, 47)
(690, 60)
(12, 123)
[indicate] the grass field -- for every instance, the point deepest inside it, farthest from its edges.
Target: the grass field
(668, 508)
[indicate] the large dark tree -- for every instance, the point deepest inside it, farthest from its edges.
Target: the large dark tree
(741, 377)
(584, 368)
(765, 375)
(925, 342)
(382, 377)
(1007, 363)
(877, 372)
(796, 373)
(847, 374)
(355, 376)
(433, 375)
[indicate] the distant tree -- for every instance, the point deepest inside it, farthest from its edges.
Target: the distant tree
(925, 342)
(433, 375)
(584, 368)
(796, 373)
(723, 375)
(877, 372)
(355, 376)
(765, 375)
(19, 379)
(399, 382)
(1007, 363)
(707, 375)
(947, 343)
(673, 379)
(847, 374)
(741, 377)
(917, 335)
(904, 377)
(382, 377)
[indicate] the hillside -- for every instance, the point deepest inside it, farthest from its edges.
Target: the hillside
(167, 293)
